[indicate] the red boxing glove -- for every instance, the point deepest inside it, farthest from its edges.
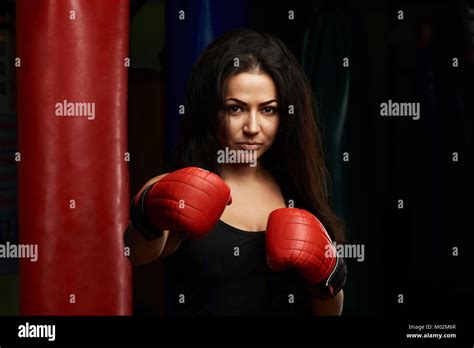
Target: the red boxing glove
(296, 239)
(189, 201)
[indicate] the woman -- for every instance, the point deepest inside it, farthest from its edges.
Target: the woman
(247, 94)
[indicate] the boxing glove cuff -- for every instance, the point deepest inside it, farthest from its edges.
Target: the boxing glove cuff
(139, 218)
(333, 284)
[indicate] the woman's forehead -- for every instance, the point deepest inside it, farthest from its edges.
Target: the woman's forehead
(249, 87)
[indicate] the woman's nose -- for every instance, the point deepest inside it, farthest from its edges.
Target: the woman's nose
(252, 123)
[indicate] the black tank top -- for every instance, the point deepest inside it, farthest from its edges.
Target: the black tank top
(226, 273)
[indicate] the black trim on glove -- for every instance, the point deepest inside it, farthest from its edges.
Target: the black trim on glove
(140, 220)
(333, 284)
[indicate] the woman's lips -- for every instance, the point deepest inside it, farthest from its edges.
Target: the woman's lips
(250, 147)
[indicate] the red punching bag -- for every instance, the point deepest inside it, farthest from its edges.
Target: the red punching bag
(73, 170)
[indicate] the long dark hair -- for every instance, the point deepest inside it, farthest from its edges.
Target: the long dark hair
(296, 158)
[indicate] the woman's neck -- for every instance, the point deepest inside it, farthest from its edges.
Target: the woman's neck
(242, 172)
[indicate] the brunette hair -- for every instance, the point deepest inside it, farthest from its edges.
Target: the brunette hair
(296, 158)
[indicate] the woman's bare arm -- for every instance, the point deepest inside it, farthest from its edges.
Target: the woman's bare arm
(328, 307)
(144, 251)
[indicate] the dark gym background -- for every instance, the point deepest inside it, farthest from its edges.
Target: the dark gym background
(408, 251)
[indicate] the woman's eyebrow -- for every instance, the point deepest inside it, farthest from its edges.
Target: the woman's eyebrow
(245, 104)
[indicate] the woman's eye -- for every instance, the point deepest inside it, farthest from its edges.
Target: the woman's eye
(233, 109)
(269, 110)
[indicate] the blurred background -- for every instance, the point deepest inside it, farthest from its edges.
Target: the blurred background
(405, 56)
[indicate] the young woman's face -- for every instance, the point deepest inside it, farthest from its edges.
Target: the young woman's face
(250, 113)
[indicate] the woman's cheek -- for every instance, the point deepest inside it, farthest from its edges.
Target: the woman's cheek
(234, 129)
(272, 130)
